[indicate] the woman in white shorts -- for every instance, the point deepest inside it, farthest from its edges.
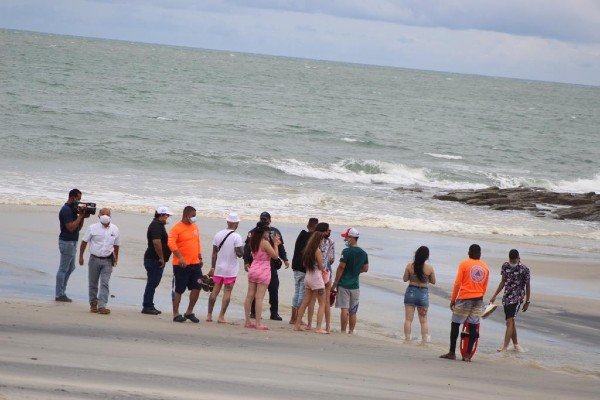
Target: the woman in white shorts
(316, 276)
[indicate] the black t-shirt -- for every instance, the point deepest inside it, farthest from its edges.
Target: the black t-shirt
(68, 213)
(156, 230)
(299, 247)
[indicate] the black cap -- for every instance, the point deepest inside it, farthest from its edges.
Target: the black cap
(265, 215)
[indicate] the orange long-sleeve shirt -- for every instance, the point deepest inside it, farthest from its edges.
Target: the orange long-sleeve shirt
(471, 280)
(185, 238)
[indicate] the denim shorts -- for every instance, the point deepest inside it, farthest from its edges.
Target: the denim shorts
(416, 296)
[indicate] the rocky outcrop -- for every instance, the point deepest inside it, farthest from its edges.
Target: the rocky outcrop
(542, 202)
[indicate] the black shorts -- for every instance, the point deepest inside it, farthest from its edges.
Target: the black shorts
(511, 310)
(186, 277)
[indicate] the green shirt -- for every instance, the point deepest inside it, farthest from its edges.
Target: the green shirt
(354, 258)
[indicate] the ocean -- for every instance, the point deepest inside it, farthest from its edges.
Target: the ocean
(137, 125)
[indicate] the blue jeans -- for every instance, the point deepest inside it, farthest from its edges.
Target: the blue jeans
(298, 288)
(155, 273)
(68, 251)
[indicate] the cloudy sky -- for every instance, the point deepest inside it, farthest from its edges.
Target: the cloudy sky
(553, 40)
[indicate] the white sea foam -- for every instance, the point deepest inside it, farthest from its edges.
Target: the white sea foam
(370, 172)
(579, 185)
(164, 119)
(444, 156)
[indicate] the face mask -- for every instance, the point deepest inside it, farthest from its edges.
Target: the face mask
(347, 244)
(193, 219)
(105, 219)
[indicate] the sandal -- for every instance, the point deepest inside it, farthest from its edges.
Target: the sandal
(179, 318)
(449, 356)
(262, 328)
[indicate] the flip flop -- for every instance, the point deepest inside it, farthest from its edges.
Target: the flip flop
(489, 310)
(250, 326)
(262, 328)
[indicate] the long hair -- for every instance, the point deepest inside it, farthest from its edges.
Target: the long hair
(309, 257)
(257, 236)
(421, 255)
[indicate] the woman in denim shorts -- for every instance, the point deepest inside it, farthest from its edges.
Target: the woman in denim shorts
(418, 274)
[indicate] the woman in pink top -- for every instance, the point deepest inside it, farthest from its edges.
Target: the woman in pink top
(316, 276)
(259, 273)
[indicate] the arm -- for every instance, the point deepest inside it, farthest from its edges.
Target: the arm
(432, 277)
(172, 242)
(319, 259)
(81, 251)
(406, 275)
(500, 287)
(116, 253)
(338, 275)
(213, 260)
(527, 296)
(456, 288)
(159, 250)
(76, 224)
(247, 252)
(364, 268)
(239, 251)
(273, 251)
(281, 249)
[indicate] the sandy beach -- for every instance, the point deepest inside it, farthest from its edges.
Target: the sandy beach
(53, 350)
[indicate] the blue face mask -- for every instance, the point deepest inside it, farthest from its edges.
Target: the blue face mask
(193, 219)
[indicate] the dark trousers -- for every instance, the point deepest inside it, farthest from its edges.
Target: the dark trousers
(273, 293)
(154, 272)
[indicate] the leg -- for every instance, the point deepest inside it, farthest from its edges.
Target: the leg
(261, 289)
(248, 303)
(274, 293)
(514, 333)
(211, 301)
(344, 316)
(409, 314)
(327, 307)
(298, 294)
(305, 301)
(94, 269)
(68, 251)
(176, 301)
(454, 328)
(194, 295)
(424, 324)
(321, 311)
(225, 302)
(105, 273)
(311, 311)
(507, 334)
(352, 322)
(253, 308)
(154, 272)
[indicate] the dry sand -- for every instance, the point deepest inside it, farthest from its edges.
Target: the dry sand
(61, 351)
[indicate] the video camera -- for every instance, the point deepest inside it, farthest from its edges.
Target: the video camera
(86, 208)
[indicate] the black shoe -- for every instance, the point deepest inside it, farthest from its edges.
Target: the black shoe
(63, 299)
(276, 317)
(150, 311)
(157, 311)
(252, 315)
(179, 318)
(192, 318)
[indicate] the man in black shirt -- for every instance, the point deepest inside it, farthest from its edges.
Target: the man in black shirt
(298, 267)
(156, 256)
(275, 265)
(71, 221)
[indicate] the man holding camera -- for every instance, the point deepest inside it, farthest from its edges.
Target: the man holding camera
(71, 218)
(275, 265)
(104, 240)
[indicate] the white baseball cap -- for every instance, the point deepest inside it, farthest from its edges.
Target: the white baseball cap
(350, 232)
(163, 210)
(233, 217)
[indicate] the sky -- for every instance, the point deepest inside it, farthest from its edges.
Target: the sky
(550, 40)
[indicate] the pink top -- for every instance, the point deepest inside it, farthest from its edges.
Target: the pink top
(260, 269)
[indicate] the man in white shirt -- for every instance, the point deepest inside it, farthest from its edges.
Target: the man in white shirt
(227, 248)
(104, 241)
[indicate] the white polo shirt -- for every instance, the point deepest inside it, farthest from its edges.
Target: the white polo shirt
(102, 239)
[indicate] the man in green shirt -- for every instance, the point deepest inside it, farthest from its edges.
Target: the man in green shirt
(354, 261)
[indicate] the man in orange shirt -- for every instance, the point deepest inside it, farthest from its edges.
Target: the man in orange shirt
(184, 242)
(466, 302)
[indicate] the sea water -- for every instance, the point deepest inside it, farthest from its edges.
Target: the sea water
(139, 125)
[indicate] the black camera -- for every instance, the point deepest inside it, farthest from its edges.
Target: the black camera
(86, 208)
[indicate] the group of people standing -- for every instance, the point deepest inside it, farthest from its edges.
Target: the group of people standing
(263, 252)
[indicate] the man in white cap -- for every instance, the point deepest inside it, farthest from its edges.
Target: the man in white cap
(156, 256)
(227, 248)
(353, 262)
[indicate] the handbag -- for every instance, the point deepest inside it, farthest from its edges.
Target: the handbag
(276, 263)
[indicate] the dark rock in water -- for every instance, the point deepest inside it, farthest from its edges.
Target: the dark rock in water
(542, 202)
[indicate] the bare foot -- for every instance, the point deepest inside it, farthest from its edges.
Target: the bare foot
(502, 350)
(250, 325)
(299, 328)
(209, 318)
(222, 321)
(321, 331)
(262, 328)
